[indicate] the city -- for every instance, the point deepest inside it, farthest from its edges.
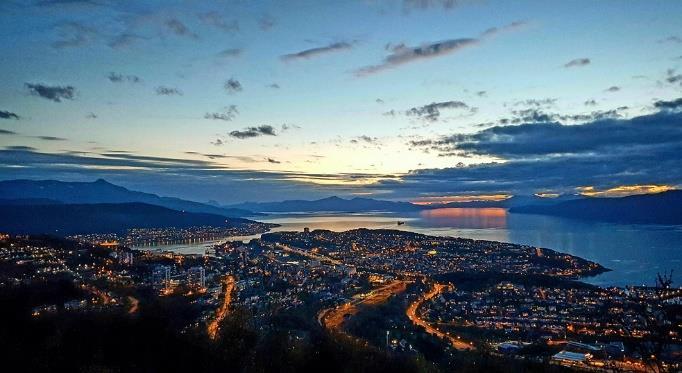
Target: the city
(355, 186)
(436, 296)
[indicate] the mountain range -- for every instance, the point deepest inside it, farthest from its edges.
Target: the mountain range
(660, 208)
(34, 192)
(68, 219)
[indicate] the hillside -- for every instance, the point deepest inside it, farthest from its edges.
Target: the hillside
(101, 191)
(66, 219)
(661, 208)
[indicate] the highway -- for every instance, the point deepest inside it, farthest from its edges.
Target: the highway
(413, 314)
(333, 318)
(224, 307)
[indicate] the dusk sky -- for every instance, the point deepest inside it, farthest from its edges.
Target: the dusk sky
(417, 100)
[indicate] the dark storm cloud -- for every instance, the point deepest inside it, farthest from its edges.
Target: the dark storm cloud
(52, 93)
(432, 111)
(120, 78)
(232, 86)
(314, 52)
(402, 54)
(8, 115)
(73, 34)
(577, 62)
(168, 91)
(178, 28)
(647, 134)
(216, 20)
(249, 132)
(229, 113)
(669, 105)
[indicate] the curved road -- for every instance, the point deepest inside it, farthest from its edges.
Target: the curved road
(413, 315)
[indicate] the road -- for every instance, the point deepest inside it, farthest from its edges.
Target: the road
(333, 318)
(224, 307)
(309, 255)
(413, 314)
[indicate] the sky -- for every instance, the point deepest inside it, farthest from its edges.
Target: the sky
(421, 100)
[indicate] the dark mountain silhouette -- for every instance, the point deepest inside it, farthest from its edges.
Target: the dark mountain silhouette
(66, 219)
(661, 208)
(330, 204)
(101, 191)
(337, 204)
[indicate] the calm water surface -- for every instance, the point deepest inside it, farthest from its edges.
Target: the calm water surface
(635, 253)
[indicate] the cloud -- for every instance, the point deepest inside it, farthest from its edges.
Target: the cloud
(577, 62)
(168, 91)
(673, 77)
(120, 78)
(365, 139)
(229, 53)
(214, 19)
(229, 113)
(645, 134)
(8, 115)
(286, 127)
(178, 28)
(590, 102)
(52, 93)
(613, 88)
(536, 102)
(232, 86)
(125, 40)
(249, 132)
(271, 160)
(49, 138)
(669, 105)
(266, 22)
(273, 86)
(402, 54)
(314, 52)
(672, 39)
(20, 147)
(431, 112)
(7, 132)
(47, 3)
(426, 4)
(223, 156)
(91, 116)
(73, 34)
